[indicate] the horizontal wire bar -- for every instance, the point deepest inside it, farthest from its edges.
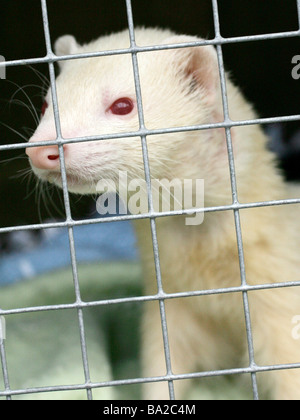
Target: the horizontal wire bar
(148, 298)
(149, 215)
(219, 40)
(148, 132)
(136, 381)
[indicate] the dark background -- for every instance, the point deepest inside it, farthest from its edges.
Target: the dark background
(262, 70)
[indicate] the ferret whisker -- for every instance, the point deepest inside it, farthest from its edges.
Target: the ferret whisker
(22, 173)
(48, 198)
(31, 109)
(40, 195)
(44, 197)
(15, 131)
(9, 160)
(22, 89)
(44, 79)
(28, 177)
(29, 131)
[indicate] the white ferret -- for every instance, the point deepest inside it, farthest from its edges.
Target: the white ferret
(181, 87)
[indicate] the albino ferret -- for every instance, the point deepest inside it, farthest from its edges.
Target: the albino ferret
(181, 87)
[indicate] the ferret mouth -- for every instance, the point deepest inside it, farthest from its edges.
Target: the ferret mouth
(56, 178)
(74, 183)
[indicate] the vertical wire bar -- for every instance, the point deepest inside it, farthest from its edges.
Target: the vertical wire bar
(66, 200)
(150, 200)
(235, 201)
(4, 367)
(298, 9)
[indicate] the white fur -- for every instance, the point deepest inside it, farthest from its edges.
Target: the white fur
(181, 87)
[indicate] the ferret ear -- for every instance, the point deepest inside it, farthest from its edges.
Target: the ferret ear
(200, 63)
(65, 45)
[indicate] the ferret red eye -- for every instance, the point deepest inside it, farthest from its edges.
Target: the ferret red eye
(44, 107)
(122, 106)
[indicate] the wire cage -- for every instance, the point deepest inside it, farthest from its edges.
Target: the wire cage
(69, 223)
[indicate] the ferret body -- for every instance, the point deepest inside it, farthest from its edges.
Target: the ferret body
(181, 87)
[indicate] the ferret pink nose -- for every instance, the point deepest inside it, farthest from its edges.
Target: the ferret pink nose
(45, 157)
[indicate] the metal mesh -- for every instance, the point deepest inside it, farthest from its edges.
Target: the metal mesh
(143, 133)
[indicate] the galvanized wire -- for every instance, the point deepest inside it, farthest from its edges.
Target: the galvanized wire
(161, 296)
(4, 367)
(150, 200)
(235, 200)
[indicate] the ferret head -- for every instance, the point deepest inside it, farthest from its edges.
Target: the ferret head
(97, 96)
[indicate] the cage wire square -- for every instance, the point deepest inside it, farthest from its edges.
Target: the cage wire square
(161, 297)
